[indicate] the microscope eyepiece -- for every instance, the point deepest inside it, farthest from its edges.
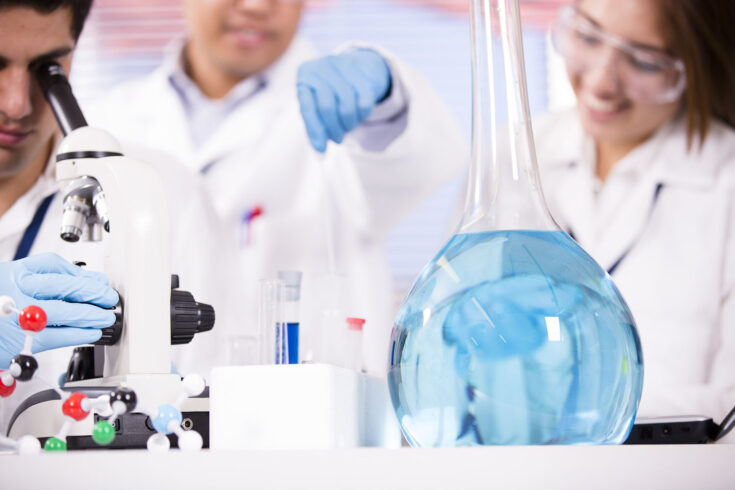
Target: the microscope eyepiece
(56, 88)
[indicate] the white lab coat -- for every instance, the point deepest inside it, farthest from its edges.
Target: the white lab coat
(263, 158)
(195, 256)
(679, 275)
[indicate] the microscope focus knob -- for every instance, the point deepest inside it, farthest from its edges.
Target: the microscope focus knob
(205, 322)
(111, 335)
(188, 317)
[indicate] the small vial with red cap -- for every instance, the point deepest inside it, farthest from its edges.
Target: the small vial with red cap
(353, 344)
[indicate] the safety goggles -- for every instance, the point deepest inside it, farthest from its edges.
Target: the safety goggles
(645, 74)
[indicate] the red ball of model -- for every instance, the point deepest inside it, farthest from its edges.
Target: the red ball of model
(72, 407)
(6, 390)
(32, 318)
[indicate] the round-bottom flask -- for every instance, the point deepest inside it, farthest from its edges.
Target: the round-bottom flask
(514, 337)
(513, 334)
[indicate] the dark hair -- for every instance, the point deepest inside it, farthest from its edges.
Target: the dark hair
(701, 33)
(79, 10)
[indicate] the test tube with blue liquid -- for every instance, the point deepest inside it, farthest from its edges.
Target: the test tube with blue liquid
(287, 328)
(273, 340)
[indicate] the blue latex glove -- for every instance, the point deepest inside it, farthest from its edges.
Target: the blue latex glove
(506, 318)
(337, 93)
(62, 290)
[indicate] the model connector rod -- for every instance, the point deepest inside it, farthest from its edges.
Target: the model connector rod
(55, 86)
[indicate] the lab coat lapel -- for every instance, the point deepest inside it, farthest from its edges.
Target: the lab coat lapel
(256, 158)
(242, 129)
(254, 119)
(619, 231)
(167, 101)
(695, 167)
(575, 209)
(628, 199)
(570, 174)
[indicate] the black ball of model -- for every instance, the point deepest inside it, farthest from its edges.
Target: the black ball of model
(125, 396)
(28, 366)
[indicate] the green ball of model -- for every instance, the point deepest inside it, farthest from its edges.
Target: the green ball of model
(54, 444)
(103, 433)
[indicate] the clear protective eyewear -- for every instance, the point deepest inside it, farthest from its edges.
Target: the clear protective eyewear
(645, 74)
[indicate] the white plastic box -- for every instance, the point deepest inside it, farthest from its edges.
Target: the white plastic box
(299, 406)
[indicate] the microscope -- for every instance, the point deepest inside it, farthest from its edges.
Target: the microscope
(120, 201)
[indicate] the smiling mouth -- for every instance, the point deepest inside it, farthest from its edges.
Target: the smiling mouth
(248, 37)
(602, 108)
(12, 137)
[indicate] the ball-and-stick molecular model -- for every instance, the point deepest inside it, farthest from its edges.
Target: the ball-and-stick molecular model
(166, 419)
(77, 406)
(32, 319)
(122, 400)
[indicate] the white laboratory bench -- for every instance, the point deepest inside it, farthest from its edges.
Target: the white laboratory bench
(563, 467)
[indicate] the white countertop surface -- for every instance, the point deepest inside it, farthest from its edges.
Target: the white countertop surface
(563, 467)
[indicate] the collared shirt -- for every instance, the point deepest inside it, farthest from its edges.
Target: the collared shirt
(15, 220)
(203, 113)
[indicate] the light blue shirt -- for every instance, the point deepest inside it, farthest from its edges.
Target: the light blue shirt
(203, 113)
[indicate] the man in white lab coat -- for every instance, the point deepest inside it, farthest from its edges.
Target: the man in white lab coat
(225, 102)
(31, 202)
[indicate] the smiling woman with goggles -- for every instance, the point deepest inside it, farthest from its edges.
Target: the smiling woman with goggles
(645, 73)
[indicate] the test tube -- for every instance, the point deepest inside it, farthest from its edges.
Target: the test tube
(274, 340)
(290, 321)
(353, 344)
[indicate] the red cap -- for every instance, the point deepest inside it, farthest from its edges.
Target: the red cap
(255, 212)
(355, 323)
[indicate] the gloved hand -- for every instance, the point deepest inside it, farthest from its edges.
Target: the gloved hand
(61, 289)
(337, 93)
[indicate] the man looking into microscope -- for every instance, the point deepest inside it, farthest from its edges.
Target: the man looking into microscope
(33, 32)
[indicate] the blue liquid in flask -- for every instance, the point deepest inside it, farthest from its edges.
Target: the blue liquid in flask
(514, 337)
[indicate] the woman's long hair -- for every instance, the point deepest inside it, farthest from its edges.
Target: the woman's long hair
(701, 33)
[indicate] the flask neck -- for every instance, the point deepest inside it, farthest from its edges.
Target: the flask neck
(504, 190)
